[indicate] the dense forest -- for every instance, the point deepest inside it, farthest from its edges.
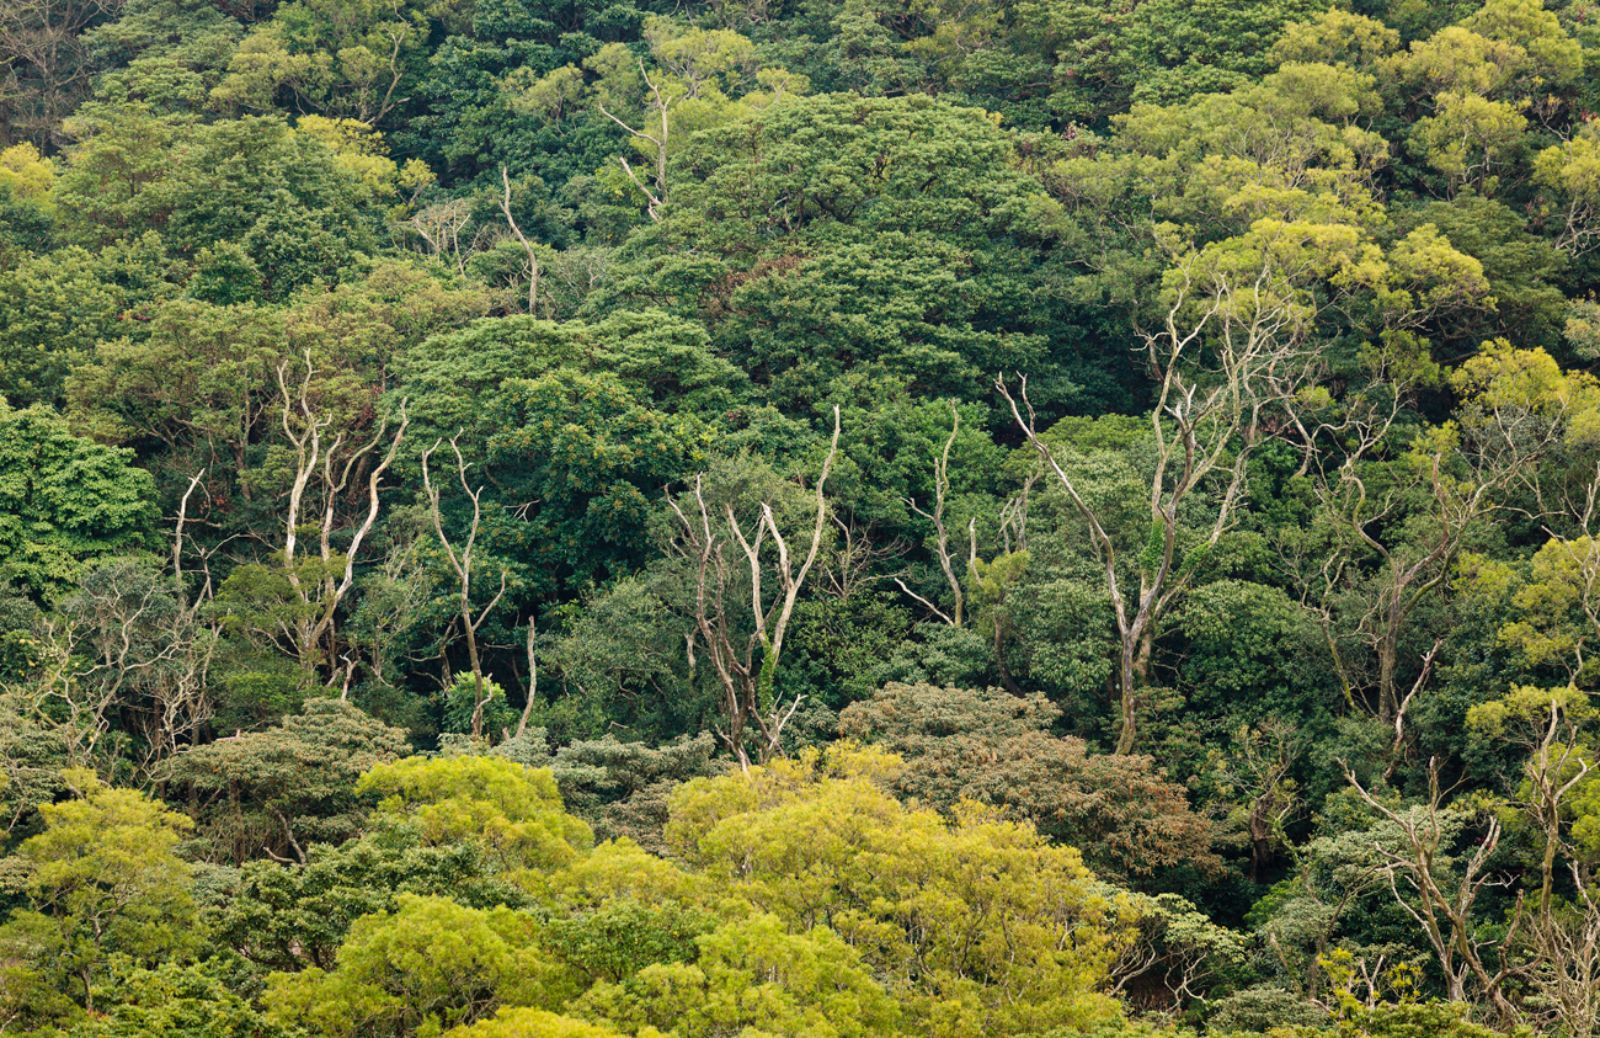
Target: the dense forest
(799, 518)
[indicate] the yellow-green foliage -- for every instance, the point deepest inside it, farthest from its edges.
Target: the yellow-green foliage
(514, 810)
(26, 173)
(536, 1023)
(432, 963)
(977, 923)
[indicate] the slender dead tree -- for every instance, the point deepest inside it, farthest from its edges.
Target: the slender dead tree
(1454, 479)
(746, 664)
(658, 106)
(460, 558)
(1440, 891)
(440, 227)
(1226, 356)
(941, 546)
(533, 677)
(522, 239)
(326, 467)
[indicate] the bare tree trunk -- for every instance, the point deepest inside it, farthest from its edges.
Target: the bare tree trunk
(527, 247)
(461, 564)
(747, 673)
(533, 678)
(331, 466)
(1443, 904)
(941, 491)
(660, 105)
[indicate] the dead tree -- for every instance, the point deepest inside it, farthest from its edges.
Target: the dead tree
(1440, 892)
(326, 467)
(1564, 961)
(460, 559)
(659, 106)
(533, 678)
(440, 227)
(527, 247)
(1226, 358)
(858, 560)
(1408, 573)
(1458, 476)
(941, 546)
(1561, 948)
(128, 653)
(746, 664)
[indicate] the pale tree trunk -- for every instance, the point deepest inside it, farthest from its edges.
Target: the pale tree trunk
(461, 560)
(330, 468)
(746, 669)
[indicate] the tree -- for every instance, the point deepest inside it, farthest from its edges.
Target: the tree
(1562, 940)
(577, 456)
(941, 542)
(102, 878)
(43, 51)
(64, 500)
(34, 751)
(131, 651)
(992, 747)
(1180, 948)
(747, 673)
(622, 788)
(753, 973)
(276, 791)
(461, 563)
(342, 62)
(287, 916)
(1568, 172)
(1516, 411)
(192, 1000)
(430, 964)
(57, 306)
(694, 65)
(534, 1023)
(316, 585)
(862, 242)
(1229, 354)
(1440, 890)
(513, 811)
(966, 922)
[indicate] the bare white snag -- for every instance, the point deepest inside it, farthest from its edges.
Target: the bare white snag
(527, 247)
(941, 547)
(460, 558)
(328, 467)
(659, 107)
(746, 667)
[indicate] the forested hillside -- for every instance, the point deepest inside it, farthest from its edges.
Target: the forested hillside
(799, 518)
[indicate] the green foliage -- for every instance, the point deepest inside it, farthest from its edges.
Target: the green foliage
(750, 974)
(533, 1023)
(431, 963)
(285, 787)
(296, 212)
(101, 879)
(622, 788)
(817, 839)
(515, 811)
(842, 234)
(995, 748)
(59, 304)
(1215, 381)
(191, 1001)
(287, 918)
(64, 500)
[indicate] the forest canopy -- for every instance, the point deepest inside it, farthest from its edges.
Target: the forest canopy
(799, 518)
